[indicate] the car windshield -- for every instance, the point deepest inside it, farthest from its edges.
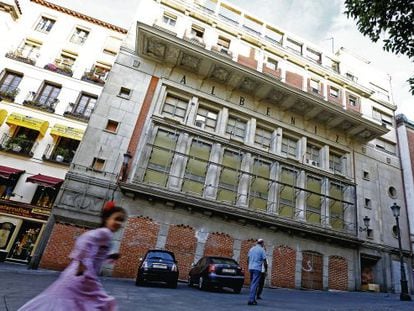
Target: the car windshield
(160, 255)
(226, 261)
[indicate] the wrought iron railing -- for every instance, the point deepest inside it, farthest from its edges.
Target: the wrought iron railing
(20, 56)
(8, 92)
(40, 102)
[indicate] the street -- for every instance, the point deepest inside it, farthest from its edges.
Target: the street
(18, 285)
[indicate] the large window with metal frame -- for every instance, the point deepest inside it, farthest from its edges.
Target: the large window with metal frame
(175, 107)
(229, 176)
(336, 205)
(289, 146)
(287, 192)
(206, 118)
(236, 127)
(313, 199)
(263, 137)
(259, 184)
(161, 157)
(196, 168)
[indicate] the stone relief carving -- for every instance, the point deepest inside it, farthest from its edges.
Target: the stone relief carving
(248, 85)
(220, 74)
(190, 62)
(155, 48)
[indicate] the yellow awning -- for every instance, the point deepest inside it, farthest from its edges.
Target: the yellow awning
(67, 131)
(3, 115)
(28, 122)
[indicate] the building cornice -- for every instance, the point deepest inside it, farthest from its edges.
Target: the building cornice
(81, 16)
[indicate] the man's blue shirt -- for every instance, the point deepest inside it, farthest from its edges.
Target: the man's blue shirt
(256, 257)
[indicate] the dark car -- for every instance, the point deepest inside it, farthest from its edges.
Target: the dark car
(219, 272)
(158, 266)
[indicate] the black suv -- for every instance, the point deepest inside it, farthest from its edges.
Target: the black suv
(158, 266)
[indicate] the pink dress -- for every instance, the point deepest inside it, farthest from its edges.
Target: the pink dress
(84, 292)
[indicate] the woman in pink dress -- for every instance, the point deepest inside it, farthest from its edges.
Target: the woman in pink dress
(78, 287)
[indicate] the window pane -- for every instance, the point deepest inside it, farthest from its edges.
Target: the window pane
(313, 201)
(229, 177)
(259, 186)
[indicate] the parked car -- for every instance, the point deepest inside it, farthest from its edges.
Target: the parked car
(211, 271)
(158, 266)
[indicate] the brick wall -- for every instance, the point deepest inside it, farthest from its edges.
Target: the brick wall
(182, 241)
(294, 79)
(245, 247)
(140, 234)
(275, 73)
(219, 244)
(357, 107)
(283, 267)
(59, 246)
(249, 61)
(338, 273)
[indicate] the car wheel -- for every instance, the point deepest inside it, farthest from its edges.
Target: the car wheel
(201, 283)
(172, 284)
(139, 281)
(190, 281)
(237, 290)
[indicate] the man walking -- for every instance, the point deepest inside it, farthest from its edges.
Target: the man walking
(262, 280)
(255, 259)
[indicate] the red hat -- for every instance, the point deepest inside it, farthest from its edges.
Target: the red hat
(109, 205)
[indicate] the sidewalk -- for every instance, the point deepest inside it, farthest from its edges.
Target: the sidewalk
(18, 285)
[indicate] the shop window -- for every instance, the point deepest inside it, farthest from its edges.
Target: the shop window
(206, 119)
(236, 127)
(44, 196)
(175, 107)
(45, 24)
(7, 186)
(79, 36)
(6, 232)
(25, 241)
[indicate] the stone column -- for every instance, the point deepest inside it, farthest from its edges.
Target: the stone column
(244, 181)
(213, 172)
(273, 197)
(300, 199)
(325, 272)
(179, 162)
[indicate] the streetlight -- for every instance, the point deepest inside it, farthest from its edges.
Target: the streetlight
(125, 163)
(404, 287)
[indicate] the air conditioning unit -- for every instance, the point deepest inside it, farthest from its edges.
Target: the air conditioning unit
(199, 123)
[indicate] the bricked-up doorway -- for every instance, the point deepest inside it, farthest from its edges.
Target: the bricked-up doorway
(312, 266)
(368, 267)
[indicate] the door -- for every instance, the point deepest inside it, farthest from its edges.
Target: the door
(312, 270)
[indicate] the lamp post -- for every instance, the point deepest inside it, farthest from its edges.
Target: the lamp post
(125, 163)
(366, 220)
(404, 287)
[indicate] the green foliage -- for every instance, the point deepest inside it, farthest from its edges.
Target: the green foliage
(393, 20)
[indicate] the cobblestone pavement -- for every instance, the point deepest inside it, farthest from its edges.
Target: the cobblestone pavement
(17, 285)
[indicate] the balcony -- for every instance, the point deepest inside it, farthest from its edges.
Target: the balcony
(19, 145)
(8, 93)
(222, 51)
(48, 105)
(71, 114)
(58, 154)
(21, 56)
(61, 68)
(95, 76)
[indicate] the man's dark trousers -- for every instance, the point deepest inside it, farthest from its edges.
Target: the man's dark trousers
(261, 284)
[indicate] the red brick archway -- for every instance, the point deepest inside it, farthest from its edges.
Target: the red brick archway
(283, 267)
(219, 244)
(140, 234)
(338, 273)
(182, 241)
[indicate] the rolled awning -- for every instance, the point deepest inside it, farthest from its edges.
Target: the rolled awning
(3, 115)
(67, 131)
(45, 181)
(6, 172)
(28, 122)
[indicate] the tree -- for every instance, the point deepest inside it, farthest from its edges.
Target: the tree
(392, 20)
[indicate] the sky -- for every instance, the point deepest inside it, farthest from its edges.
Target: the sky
(313, 20)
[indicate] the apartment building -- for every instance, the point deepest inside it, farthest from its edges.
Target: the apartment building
(54, 62)
(216, 128)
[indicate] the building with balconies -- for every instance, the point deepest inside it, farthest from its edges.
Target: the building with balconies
(46, 52)
(216, 128)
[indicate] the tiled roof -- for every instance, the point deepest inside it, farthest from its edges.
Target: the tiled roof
(80, 15)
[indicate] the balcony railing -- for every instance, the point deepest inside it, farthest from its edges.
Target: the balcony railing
(61, 68)
(94, 76)
(19, 144)
(70, 113)
(58, 154)
(33, 101)
(20, 56)
(8, 92)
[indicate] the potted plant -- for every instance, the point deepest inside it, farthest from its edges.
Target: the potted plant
(62, 154)
(16, 143)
